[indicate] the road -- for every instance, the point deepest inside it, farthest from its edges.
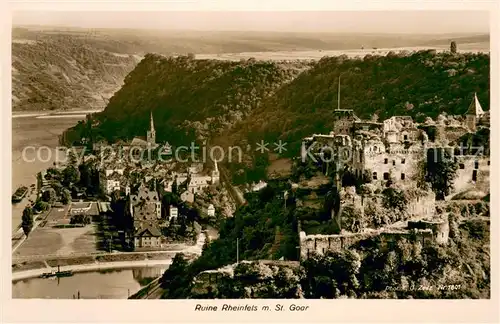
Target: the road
(18, 237)
(177, 248)
(225, 180)
(193, 249)
(151, 291)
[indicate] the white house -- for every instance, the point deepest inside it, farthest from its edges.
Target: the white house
(259, 186)
(173, 213)
(211, 210)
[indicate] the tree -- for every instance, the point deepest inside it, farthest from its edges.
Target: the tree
(453, 47)
(174, 186)
(176, 280)
(41, 205)
(49, 196)
(86, 176)
(332, 275)
(394, 199)
(332, 202)
(72, 158)
(65, 196)
(80, 219)
(27, 220)
(58, 188)
(70, 176)
(441, 172)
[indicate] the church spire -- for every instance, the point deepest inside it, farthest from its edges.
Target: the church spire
(151, 133)
(152, 126)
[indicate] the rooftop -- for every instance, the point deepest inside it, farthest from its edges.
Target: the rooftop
(475, 107)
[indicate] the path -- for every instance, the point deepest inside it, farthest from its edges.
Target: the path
(24, 237)
(194, 249)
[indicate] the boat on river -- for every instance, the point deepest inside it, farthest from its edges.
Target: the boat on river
(19, 194)
(58, 273)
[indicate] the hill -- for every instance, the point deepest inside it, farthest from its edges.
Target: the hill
(417, 84)
(189, 99)
(266, 230)
(55, 72)
(78, 68)
(172, 42)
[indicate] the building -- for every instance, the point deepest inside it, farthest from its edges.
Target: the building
(473, 173)
(145, 205)
(198, 182)
(187, 196)
(147, 235)
(173, 213)
(116, 182)
(215, 174)
(390, 151)
(211, 210)
(259, 186)
(90, 209)
(474, 114)
(150, 140)
(145, 209)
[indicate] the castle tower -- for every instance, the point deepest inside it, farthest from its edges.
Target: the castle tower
(474, 113)
(151, 134)
(215, 174)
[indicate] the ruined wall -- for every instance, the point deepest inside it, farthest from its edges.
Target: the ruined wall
(390, 238)
(440, 230)
(422, 206)
(467, 168)
(397, 162)
(320, 244)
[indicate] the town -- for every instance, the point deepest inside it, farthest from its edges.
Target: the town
(104, 205)
(134, 205)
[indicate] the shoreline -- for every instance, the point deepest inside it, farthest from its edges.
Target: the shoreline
(53, 113)
(91, 267)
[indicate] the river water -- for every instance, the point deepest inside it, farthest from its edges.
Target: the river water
(36, 131)
(112, 284)
(34, 143)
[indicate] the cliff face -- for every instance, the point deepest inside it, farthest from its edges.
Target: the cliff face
(65, 73)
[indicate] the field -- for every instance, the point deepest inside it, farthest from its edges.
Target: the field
(351, 53)
(60, 242)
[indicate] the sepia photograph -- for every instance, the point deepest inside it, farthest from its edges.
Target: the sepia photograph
(250, 155)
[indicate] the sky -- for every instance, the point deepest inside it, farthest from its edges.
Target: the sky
(415, 22)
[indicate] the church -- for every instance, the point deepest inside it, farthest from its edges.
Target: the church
(150, 140)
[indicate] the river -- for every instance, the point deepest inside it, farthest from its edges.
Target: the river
(42, 131)
(31, 132)
(110, 284)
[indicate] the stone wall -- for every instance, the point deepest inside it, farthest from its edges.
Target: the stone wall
(425, 232)
(390, 238)
(422, 206)
(467, 169)
(319, 244)
(396, 162)
(440, 230)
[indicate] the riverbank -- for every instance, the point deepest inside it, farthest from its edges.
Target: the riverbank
(20, 114)
(27, 274)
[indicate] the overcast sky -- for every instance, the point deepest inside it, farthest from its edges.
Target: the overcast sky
(353, 21)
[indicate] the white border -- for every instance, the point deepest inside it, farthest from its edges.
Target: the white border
(182, 310)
